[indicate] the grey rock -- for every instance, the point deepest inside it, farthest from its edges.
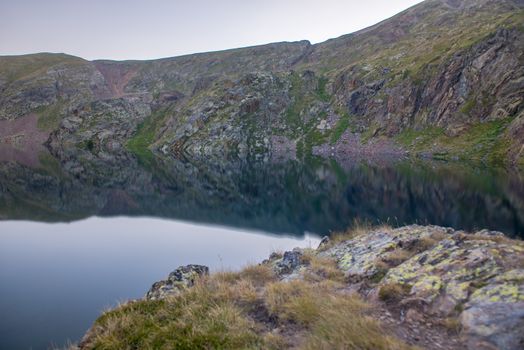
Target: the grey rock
(178, 280)
(323, 242)
(289, 262)
(499, 324)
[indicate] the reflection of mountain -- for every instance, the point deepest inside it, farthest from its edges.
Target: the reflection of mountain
(288, 197)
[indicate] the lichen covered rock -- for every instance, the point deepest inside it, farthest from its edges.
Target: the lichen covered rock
(289, 262)
(455, 269)
(358, 257)
(178, 280)
(495, 312)
(477, 278)
(474, 273)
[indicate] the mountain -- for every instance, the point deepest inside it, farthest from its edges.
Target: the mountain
(443, 79)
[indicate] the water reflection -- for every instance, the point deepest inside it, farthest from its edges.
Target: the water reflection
(319, 196)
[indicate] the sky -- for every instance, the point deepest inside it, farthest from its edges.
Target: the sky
(146, 29)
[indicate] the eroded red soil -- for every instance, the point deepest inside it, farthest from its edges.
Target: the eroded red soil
(21, 141)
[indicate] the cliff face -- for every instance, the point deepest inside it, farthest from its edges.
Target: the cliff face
(444, 78)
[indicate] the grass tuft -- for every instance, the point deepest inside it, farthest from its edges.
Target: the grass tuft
(258, 274)
(393, 292)
(357, 229)
(343, 325)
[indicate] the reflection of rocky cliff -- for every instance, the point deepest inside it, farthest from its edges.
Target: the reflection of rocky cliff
(286, 197)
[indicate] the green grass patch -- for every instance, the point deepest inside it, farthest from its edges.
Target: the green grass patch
(302, 99)
(482, 142)
(50, 164)
(420, 139)
(27, 66)
(468, 106)
(49, 117)
(370, 132)
(339, 129)
(321, 92)
(294, 110)
(314, 138)
(145, 136)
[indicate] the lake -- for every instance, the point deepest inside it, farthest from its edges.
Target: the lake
(74, 241)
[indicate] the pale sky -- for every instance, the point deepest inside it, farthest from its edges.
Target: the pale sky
(145, 29)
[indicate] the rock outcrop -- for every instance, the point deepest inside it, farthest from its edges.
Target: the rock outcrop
(178, 280)
(446, 273)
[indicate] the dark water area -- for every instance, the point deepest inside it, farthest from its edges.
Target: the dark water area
(75, 240)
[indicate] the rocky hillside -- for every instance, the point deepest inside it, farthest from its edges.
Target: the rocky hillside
(444, 79)
(413, 287)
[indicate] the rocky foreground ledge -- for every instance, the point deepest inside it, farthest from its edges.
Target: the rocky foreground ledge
(412, 287)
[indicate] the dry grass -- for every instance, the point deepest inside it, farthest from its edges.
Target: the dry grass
(226, 276)
(292, 301)
(258, 274)
(426, 243)
(276, 254)
(333, 319)
(300, 301)
(321, 268)
(496, 239)
(395, 258)
(393, 292)
(453, 325)
(382, 270)
(343, 325)
(275, 342)
(212, 314)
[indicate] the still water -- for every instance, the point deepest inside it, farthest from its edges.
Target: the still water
(57, 278)
(74, 242)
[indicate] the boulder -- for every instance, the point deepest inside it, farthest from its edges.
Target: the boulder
(178, 280)
(494, 313)
(289, 262)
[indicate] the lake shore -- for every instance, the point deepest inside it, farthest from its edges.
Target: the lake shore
(380, 288)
